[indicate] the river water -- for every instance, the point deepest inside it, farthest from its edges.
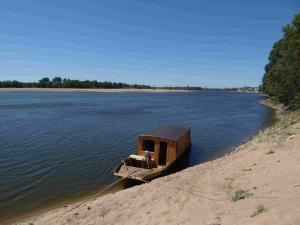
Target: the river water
(56, 146)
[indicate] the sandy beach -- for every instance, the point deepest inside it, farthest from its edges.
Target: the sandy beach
(112, 90)
(266, 167)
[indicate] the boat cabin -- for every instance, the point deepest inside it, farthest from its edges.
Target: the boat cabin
(164, 145)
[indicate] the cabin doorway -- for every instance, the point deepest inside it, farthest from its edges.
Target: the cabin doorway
(162, 156)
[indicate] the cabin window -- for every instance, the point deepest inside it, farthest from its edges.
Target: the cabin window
(148, 145)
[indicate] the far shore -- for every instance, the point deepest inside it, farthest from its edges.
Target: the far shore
(266, 167)
(100, 90)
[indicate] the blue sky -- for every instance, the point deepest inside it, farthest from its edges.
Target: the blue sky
(211, 43)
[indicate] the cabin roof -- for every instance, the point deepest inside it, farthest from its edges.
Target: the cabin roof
(171, 132)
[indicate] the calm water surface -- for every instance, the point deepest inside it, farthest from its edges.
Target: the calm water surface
(57, 146)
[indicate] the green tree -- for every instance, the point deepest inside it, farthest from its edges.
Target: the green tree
(45, 82)
(57, 82)
(282, 73)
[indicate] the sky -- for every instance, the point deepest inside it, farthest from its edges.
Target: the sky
(208, 43)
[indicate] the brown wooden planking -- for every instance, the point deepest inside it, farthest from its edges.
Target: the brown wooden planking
(135, 172)
(177, 139)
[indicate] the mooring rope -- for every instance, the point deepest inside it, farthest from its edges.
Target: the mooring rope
(98, 193)
(106, 188)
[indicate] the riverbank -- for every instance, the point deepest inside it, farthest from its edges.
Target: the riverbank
(112, 90)
(266, 169)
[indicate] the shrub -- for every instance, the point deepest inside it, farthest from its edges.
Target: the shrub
(240, 194)
(259, 209)
(295, 103)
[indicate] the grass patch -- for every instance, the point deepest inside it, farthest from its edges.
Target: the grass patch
(247, 169)
(270, 152)
(259, 209)
(229, 178)
(240, 194)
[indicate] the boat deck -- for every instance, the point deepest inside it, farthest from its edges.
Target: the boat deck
(136, 172)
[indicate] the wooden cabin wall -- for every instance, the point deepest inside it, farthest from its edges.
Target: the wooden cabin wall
(171, 151)
(171, 148)
(140, 151)
(183, 143)
(174, 148)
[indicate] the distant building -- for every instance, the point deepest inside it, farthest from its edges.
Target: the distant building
(248, 89)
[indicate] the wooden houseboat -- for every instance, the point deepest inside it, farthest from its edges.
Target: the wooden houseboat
(156, 152)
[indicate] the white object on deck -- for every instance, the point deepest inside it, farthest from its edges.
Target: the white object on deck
(137, 157)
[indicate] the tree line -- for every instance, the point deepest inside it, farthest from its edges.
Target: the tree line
(58, 82)
(281, 79)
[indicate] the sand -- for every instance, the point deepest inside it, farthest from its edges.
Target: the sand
(267, 166)
(112, 90)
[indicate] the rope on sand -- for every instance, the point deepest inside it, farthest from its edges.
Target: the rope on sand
(106, 188)
(221, 193)
(179, 189)
(95, 195)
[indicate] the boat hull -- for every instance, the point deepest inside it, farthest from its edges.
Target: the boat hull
(143, 174)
